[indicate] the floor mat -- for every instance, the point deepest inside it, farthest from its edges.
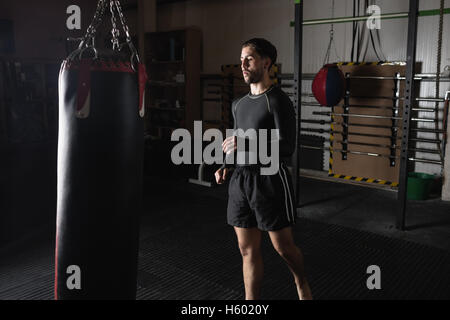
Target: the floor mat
(188, 252)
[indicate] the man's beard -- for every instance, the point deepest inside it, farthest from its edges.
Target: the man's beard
(254, 76)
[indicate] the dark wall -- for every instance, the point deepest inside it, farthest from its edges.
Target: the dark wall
(40, 26)
(29, 154)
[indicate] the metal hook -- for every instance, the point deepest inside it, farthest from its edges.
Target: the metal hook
(134, 57)
(84, 49)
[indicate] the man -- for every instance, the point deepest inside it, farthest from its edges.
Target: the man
(259, 202)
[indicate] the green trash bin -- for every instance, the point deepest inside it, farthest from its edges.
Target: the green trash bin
(419, 185)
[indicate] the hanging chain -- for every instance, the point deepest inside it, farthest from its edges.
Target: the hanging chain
(332, 24)
(438, 78)
(122, 20)
(331, 42)
(126, 30)
(88, 41)
(115, 32)
(92, 29)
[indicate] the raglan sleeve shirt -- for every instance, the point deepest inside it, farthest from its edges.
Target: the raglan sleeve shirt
(283, 116)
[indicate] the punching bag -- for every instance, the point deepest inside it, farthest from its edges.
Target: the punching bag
(100, 168)
(328, 85)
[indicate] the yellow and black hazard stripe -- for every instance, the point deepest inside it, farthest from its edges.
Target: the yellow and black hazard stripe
(352, 178)
(361, 179)
(330, 169)
(375, 63)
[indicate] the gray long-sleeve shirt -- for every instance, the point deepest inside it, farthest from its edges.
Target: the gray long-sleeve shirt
(270, 110)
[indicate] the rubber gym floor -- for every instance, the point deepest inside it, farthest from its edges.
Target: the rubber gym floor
(187, 251)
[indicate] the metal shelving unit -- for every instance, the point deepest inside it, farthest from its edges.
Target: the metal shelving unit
(409, 98)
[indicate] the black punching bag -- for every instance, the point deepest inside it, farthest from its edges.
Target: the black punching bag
(100, 168)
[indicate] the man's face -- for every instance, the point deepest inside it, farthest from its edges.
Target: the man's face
(252, 65)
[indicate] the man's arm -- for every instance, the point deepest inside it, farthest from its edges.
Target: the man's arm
(231, 142)
(284, 118)
(222, 173)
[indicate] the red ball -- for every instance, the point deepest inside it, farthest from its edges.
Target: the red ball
(328, 85)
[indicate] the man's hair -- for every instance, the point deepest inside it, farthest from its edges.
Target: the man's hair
(263, 47)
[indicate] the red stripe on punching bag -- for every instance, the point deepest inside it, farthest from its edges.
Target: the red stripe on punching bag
(142, 85)
(56, 267)
(102, 65)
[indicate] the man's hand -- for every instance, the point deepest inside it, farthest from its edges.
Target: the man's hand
(229, 144)
(221, 175)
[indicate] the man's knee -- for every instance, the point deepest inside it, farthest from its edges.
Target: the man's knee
(287, 251)
(249, 250)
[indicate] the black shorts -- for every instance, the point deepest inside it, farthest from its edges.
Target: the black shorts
(263, 201)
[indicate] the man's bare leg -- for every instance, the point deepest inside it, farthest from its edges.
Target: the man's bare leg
(249, 240)
(283, 242)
